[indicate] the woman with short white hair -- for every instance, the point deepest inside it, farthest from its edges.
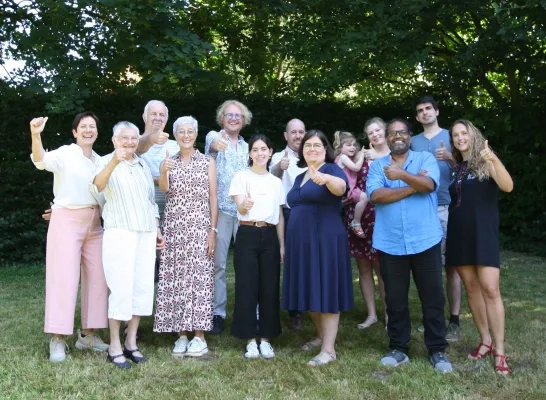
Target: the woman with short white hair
(185, 291)
(131, 223)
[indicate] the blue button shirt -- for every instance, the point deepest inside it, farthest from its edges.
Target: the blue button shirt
(421, 143)
(410, 225)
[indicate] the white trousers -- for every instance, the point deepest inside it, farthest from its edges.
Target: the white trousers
(227, 228)
(128, 258)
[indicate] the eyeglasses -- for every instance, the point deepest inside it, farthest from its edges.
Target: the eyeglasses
(401, 133)
(236, 117)
(316, 146)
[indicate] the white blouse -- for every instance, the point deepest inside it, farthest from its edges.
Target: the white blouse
(72, 174)
(129, 196)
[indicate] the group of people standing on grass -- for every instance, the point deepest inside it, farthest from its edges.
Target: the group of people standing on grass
(410, 203)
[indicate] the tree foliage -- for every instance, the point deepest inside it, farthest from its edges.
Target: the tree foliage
(332, 63)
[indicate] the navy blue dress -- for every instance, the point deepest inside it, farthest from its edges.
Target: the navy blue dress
(317, 266)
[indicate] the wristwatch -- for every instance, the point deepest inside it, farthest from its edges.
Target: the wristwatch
(214, 229)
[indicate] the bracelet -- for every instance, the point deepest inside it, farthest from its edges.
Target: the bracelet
(214, 229)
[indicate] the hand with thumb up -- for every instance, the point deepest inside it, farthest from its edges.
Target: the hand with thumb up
(248, 203)
(167, 164)
(285, 161)
(486, 153)
(441, 153)
(223, 142)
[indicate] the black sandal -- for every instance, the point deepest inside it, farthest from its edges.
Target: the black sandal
(121, 365)
(136, 359)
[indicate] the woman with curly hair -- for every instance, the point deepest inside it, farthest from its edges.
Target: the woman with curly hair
(473, 234)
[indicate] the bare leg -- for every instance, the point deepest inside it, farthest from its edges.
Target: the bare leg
(489, 282)
(330, 324)
(200, 335)
(453, 289)
(376, 268)
(469, 275)
(130, 339)
(367, 288)
(115, 342)
(315, 317)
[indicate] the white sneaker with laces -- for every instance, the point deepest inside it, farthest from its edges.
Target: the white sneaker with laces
(90, 342)
(197, 347)
(266, 350)
(180, 346)
(57, 350)
(252, 350)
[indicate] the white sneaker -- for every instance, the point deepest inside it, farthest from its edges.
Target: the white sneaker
(57, 350)
(180, 346)
(197, 347)
(266, 350)
(90, 342)
(252, 350)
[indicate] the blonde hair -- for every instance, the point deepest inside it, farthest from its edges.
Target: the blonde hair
(374, 120)
(247, 115)
(340, 138)
(476, 164)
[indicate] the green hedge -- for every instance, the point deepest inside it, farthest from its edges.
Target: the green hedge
(25, 192)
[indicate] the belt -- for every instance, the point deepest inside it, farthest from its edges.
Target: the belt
(259, 224)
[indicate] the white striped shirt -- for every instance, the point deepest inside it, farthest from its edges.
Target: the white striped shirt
(129, 196)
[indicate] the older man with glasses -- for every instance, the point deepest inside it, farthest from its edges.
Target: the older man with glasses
(407, 236)
(231, 153)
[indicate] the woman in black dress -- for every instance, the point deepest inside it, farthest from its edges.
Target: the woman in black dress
(473, 234)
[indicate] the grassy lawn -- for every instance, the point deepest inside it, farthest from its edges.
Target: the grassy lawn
(26, 373)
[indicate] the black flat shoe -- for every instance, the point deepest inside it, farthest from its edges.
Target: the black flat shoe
(121, 365)
(136, 359)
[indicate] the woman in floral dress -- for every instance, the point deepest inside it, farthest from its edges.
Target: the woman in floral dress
(185, 291)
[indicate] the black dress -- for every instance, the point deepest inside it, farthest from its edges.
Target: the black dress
(473, 223)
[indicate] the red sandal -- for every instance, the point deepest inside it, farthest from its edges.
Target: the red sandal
(502, 368)
(476, 355)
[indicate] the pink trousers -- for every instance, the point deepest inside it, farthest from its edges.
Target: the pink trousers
(74, 242)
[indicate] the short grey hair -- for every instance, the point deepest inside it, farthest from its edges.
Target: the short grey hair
(183, 121)
(151, 103)
(122, 125)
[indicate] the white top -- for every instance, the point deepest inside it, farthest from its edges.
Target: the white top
(266, 191)
(72, 174)
(290, 174)
(129, 196)
(156, 154)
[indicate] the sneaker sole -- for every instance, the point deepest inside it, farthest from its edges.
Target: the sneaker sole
(54, 360)
(252, 356)
(81, 346)
(197, 354)
(396, 365)
(268, 357)
(178, 355)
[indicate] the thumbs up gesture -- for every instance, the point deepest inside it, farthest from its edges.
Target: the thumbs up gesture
(37, 125)
(441, 152)
(318, 177)
(223, 142)
(248, 203)
(160, 137)
(393, 171)
(487, 154)
(285, 161)
(167, 164)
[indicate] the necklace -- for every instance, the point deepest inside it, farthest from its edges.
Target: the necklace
(459, 175)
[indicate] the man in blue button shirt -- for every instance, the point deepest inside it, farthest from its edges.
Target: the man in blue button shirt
(407, 235)
(435, 140)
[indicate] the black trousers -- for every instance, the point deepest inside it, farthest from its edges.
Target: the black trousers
(257, 262)
(426, 268)
(286, 215)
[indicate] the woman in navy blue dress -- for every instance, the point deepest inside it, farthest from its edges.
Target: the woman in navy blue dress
(317, 266)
